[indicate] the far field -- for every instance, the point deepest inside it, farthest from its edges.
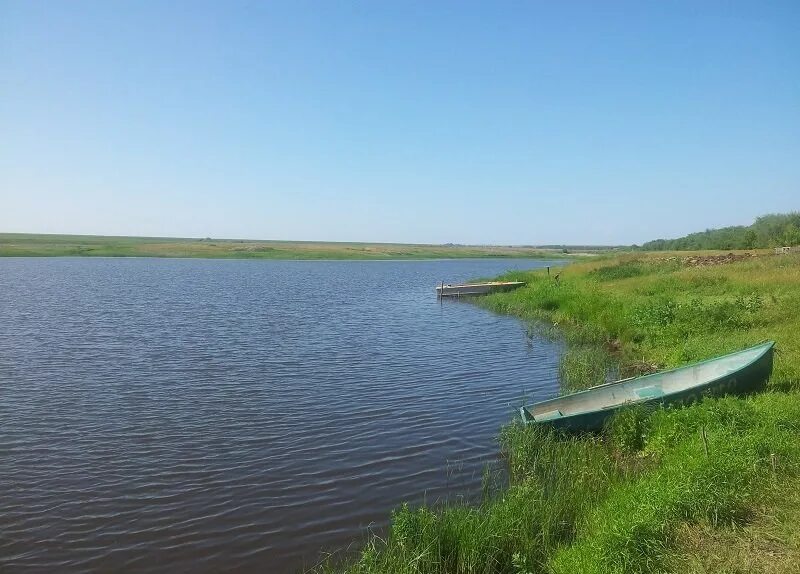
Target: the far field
(36, 245)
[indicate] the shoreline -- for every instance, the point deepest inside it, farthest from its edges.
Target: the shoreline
(657, 491)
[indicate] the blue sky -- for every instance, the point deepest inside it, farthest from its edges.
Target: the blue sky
(468, 122)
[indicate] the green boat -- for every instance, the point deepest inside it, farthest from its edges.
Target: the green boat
(737, 373)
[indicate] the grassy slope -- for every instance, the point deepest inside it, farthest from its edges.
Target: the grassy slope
(651, 493)
(30, 245)
(657, 310)
(654, 310)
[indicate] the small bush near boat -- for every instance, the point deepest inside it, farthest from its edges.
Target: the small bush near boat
(626, 430)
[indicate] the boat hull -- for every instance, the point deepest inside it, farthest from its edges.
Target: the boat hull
(749, 379)
(476, 288)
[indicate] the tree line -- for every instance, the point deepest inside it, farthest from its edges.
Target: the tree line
(772, 230)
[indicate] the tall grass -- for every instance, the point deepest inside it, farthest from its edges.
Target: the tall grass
(555, 482)
(716, 460)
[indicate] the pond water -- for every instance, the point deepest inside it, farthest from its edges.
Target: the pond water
(214, 415)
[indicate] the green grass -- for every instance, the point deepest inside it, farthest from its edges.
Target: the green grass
(768, 542)
(664, 314)
(637, 497)
(31, 245)
(714, 462)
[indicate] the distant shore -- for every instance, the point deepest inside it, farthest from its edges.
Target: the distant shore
(41, 245)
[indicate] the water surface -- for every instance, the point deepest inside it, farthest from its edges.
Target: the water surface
(213, 415)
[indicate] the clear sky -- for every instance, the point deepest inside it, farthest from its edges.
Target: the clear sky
(468, 122)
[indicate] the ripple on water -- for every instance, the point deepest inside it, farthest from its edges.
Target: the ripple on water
(240, 415)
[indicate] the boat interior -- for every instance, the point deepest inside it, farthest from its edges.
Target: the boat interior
(646, 387)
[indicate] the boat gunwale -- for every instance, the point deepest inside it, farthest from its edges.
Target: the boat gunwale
(767, 345)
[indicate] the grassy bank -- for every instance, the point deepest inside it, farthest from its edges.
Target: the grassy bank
(676, 490)
(31, 245)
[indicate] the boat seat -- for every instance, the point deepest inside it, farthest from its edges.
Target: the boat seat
(651, 392)
(548, 415)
